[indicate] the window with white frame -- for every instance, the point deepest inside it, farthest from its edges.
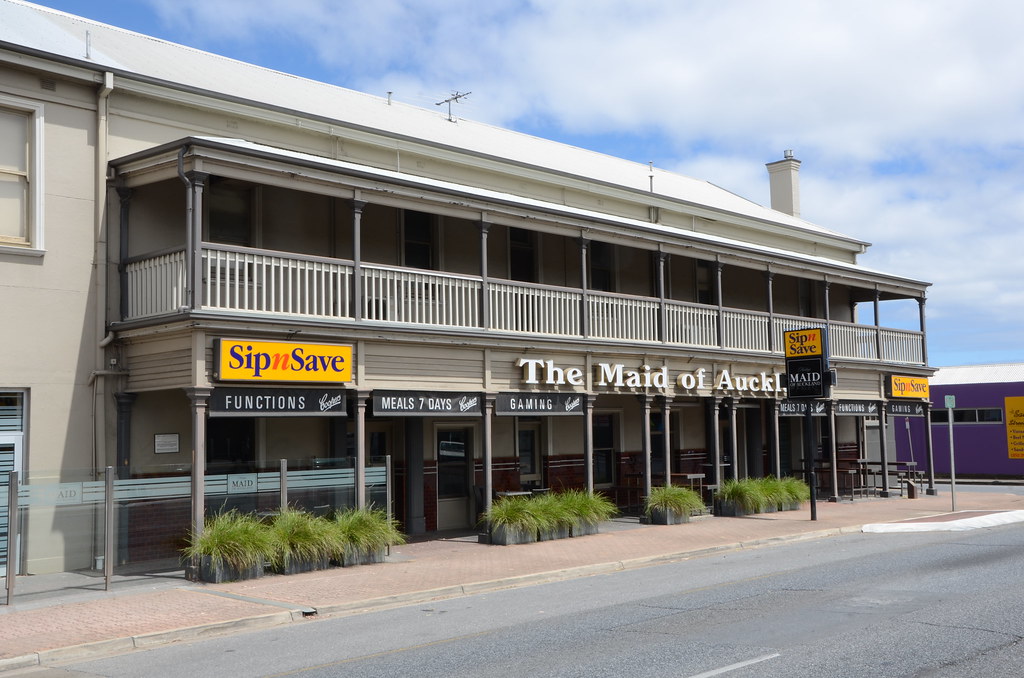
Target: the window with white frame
(21, 124)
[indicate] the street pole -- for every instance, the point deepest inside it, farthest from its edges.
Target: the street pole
(952, 462)
(812, 480)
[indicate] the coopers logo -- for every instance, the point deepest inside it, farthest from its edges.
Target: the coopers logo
(242, 360)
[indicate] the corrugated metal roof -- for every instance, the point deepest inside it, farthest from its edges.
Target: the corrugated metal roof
(109, 48)
(263, 150)
(996, 373)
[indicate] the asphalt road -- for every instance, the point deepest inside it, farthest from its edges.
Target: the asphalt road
(927, 604)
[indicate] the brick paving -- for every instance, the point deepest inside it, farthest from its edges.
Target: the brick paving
(63, 627)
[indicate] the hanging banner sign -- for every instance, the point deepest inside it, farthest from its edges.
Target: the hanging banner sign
(897, 386)
(798, 408)
(856, 408)
(529, 404)
(807, 373)
(805, 343)
(427, 404)
(904, 409)
(274, 361)
(277, 402)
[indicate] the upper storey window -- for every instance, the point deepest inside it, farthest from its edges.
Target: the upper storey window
(602, 266)
(21, 217)
(418, 240)
(522, 252)
(233, 208)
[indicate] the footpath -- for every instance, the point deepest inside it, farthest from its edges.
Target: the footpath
(55, 619)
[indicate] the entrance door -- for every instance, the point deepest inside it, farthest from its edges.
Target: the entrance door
(605, 437)
(454, 477)
(528, 448)
(10, 460)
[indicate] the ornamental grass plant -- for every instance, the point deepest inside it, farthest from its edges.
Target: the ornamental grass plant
(513, 512)
(302, 541)
(588, 508)
(774, 492)
(797, 491)
(681, 500)
(746, 495)
(554, 516)
(365, 531)
(231, 539)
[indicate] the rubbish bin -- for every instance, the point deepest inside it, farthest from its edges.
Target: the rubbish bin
(911, 490)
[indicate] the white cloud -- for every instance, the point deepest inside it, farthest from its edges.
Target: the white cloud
(909, 116)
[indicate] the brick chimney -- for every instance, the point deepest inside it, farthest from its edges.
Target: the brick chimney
(784, 183)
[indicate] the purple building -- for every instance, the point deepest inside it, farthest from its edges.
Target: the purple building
(988, 422)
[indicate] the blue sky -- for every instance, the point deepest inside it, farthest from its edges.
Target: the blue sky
(908, 115)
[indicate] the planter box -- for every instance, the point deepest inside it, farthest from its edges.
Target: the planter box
(729, 509)
(506, 536)
(300, 566)
(660, 516)
(582, 529)
(353, 558)
(553, 533)
(219, 573)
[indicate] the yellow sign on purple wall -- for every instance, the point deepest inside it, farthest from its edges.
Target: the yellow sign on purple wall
(272, 361)
(908, 387)
(1015, 427)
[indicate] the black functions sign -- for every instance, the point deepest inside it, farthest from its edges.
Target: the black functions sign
(532, 404)
(427, 403)
(277, 402)
(856, 408)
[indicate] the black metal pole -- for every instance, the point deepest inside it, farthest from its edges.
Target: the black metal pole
(812, 479)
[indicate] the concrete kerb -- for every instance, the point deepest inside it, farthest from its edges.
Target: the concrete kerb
(298, 612)
(518, 581)
(115, 646)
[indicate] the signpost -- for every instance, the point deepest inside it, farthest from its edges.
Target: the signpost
(808, 376)
(950, 404)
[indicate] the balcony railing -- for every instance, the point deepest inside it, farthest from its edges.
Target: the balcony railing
(254, 282)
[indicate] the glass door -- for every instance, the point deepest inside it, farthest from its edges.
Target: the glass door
(605, 437)
(454, 477)
(10, 460)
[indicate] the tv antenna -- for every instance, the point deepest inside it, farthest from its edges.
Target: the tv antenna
(456, 97)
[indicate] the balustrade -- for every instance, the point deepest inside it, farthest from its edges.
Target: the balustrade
(244, 280)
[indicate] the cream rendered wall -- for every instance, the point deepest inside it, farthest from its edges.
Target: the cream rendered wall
(50, 322)
(690, 418)
(175, 417)
(503, 439)
(48, 301)
(566, 436)
(297, 439)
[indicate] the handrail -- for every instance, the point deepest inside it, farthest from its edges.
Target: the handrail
(252, 280)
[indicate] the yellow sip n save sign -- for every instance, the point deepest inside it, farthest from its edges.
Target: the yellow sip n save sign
(908, 387)
(245, 360)
(804, 343)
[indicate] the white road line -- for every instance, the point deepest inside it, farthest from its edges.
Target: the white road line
(733, 667)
